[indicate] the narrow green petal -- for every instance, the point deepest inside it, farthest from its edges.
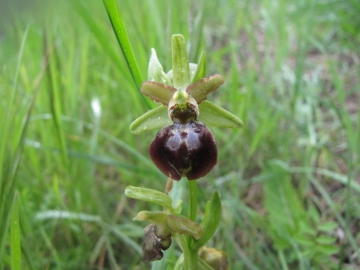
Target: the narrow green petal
(200, 70)
(154, 119)
(158, 92)
(213, 115)
(156, 71)
(202, 88)
(155, 68)
(180, 61)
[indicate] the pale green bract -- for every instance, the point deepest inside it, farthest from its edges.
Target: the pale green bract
(150, 195)
(173, 223)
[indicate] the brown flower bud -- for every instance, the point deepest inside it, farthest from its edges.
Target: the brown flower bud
(154, 243)
(184, 149)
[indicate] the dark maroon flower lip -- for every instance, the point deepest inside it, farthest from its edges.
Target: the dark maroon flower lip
(184, 150)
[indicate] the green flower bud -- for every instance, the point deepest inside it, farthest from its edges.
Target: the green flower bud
(216, 258)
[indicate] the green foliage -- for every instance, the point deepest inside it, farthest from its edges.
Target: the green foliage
(293, 230)
(210, 221)
(15, 236)
(290, 73)
(123, 39)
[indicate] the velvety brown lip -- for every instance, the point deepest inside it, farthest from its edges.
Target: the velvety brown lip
(187, 150)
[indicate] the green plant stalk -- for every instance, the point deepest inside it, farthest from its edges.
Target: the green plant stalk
(190, 258)
(282, 260)
(192, 200)
(15, 236)
(192, 216)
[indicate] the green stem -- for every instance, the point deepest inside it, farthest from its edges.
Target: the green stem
(192, 216)
(190, 258)
(192, 199)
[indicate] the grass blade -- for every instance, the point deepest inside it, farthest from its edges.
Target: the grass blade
(117, 23)
(15, 236)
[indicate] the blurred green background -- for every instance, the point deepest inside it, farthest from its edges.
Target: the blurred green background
(289, 180)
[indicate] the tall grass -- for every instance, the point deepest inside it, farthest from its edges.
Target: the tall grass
(289, 180)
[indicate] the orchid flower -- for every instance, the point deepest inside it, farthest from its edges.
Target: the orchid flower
(184, 147)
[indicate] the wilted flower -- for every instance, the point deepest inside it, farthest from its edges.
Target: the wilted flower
(158, 233)
(154, 243)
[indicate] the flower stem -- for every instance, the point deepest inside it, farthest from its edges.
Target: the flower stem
(192, 199)
(192, 215)
(190, 259)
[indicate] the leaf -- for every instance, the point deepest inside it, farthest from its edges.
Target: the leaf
(117, 23)
(325, 240)
(304, 241)
(329, 250)
(154, 119)
(213, 115)
(158, 92)
(180, 62)
(149, 195)
(285, 212)
(184, 225)
(313, 214)
(211, 220)
(202, 88)
(15, 236)
(328, 226)
(107, 47)
(201, 69)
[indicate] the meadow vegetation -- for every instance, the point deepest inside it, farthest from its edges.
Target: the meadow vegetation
(289, 180)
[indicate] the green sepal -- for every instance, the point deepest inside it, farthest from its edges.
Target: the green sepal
(202, 88)
(200, 70)
(150, 195)
(158, 92)
(156, 71)
(154, 119)
(211, 220)
(213, 115)
(180, 62)
(184, 225)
